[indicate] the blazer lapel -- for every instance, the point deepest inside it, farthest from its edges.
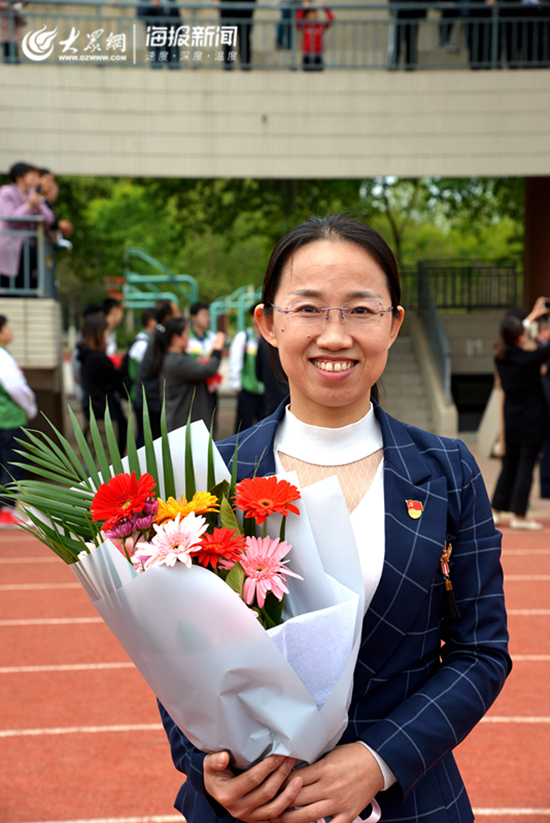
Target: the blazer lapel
(413, 545)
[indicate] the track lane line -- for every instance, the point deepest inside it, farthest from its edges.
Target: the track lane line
(51, 621)
(135, 727)
(67, 667)
(34, 587)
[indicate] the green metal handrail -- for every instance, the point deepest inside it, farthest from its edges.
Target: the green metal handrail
(240, 301)
(140, 290)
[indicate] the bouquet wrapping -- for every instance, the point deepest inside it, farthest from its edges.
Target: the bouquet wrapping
(226, 681)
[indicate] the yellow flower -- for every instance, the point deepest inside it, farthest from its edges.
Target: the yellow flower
(201, 503)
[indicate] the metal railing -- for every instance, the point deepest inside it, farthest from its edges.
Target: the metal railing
(438, 340)
(391, 35)
(471, 286)
(36, 255)
(142, 290)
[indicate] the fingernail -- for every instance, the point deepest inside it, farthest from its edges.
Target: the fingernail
(220, 760)
(279, 759)
(297, 783)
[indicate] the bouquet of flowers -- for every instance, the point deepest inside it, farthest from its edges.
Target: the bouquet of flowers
(245, 654)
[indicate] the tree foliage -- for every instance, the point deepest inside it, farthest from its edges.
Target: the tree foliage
(222, 231)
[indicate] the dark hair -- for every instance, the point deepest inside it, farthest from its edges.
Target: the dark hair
(42, 172)
(511, 330)
(93, 308)
(196, 308)
(110, 303)
(146, 316)
(3, 321)
(336, 227)
(162, 337)
(20, 170)
(164, 310)
(93, 331)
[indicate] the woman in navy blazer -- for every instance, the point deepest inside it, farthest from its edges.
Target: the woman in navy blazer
(424, 676)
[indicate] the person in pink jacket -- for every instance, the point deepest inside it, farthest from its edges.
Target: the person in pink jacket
(17, 199)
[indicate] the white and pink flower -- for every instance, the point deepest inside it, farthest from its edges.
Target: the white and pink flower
(173, 541)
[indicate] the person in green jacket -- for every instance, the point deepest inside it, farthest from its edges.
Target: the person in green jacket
(17, 407)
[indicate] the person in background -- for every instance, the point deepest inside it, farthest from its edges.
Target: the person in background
(138, 348)
(201, 346)
(184, 378)
(147, 381)
(165, 17)
(201, 337)
(18, 199)
(526, 420)
(17, 407)
(312, 35)
(103, 383)
(543, 341)
(232, 13)
(270, 372)
(242, 376)
(405, 28)
(62, 229)
(114, 313)
(10, 29)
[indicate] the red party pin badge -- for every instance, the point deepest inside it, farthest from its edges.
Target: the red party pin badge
(415, 508)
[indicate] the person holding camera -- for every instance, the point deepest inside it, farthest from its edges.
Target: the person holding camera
(526, 418)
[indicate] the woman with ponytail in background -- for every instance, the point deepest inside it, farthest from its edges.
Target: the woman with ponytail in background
(183, 379)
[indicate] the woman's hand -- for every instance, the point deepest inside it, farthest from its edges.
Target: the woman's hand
(254, 796)
(339, 785)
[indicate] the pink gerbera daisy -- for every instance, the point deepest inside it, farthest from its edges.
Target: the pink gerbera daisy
(265, 569)
(173, 541)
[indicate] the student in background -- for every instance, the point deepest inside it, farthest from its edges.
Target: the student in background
(183, 377)
(242, 376)
(138, 348)
(148, 381)
(17, 407)
(312, 35)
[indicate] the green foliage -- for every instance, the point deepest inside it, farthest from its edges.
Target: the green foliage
(222, 231)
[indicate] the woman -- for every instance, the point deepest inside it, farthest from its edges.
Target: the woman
(185, 388)
(101, 381)
(526, 423)
(331, 309)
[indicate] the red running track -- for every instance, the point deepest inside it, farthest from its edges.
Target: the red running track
(80, 734)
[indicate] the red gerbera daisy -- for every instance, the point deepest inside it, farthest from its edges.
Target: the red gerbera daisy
(263, 496)
(224, 544)
(121, 497)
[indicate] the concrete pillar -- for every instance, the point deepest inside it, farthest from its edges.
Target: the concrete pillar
(537, 239)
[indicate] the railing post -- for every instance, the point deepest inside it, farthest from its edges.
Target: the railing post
(41, 259)
(494, 36)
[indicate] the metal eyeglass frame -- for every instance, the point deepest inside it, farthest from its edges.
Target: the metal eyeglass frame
(327, 309)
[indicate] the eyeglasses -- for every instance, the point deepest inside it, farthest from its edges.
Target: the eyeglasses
(363, 313)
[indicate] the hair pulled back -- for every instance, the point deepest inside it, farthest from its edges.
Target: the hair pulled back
(160, 343)
(338, 228)
(511, 330)
(94, 326)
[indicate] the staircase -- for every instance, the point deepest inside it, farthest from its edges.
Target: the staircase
(402, 392)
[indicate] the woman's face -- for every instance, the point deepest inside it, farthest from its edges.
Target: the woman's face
(332, 365)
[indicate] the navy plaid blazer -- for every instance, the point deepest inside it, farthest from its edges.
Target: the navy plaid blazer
(421, 682)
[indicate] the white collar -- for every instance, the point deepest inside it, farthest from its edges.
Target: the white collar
(328, 447)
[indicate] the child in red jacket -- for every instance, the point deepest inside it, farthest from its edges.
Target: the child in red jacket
(312, 36)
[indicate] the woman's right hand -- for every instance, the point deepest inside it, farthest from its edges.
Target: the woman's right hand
(252, 796)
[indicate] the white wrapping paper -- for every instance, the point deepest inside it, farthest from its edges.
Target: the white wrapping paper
(225, 681)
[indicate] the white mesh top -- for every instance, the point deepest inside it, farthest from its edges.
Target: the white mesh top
(354, 454)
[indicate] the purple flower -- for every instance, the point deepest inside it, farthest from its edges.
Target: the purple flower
(151, 506)
(122, 529)
(143, 521)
